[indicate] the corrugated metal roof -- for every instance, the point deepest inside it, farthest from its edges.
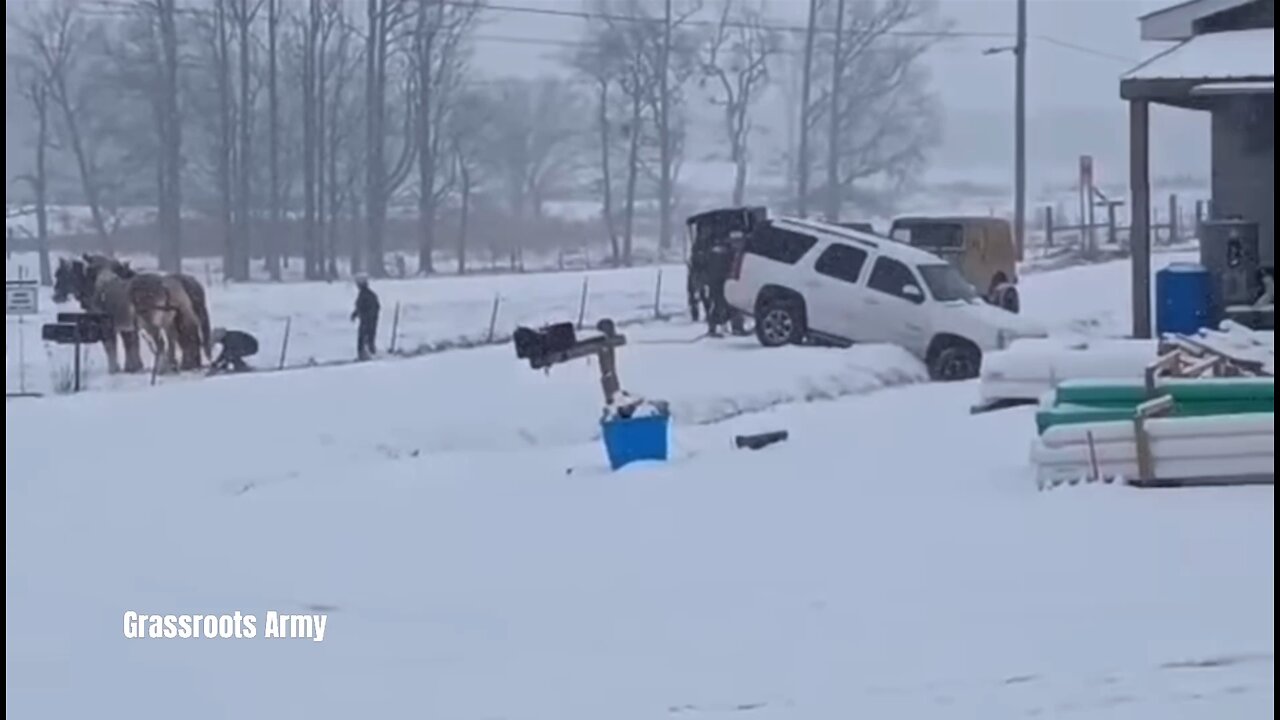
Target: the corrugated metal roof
(1235, 55)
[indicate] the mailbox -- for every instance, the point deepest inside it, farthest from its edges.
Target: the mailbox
(84, 328)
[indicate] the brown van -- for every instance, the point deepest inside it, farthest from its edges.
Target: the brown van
(982, 248)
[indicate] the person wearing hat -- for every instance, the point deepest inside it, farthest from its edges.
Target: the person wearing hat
(236, 346)
(366, 311)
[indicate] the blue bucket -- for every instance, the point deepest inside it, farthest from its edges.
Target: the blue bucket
(630, 439)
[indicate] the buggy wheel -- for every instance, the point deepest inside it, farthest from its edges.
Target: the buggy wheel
(1006, 296)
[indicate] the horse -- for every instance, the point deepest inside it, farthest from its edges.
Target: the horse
(105, 293)
(163, 308)
(194, 338)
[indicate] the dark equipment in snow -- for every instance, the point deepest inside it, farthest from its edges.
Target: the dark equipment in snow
(558, 343)
(760, 440)
(77, 328)
(533, 344)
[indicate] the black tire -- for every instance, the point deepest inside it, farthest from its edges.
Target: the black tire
(779, 322)
(1006, 296)
(955, 362)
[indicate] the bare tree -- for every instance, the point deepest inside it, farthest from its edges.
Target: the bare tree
(35, 89)
(466, 131)
(439, 60)
(533, 143)
(737, 57)
(598, 62)
(385, 20)
(60, 42)
(882, 116)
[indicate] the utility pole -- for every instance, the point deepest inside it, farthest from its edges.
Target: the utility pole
(806, 80)
(833, 135)
(1020, 133)
(664, 190)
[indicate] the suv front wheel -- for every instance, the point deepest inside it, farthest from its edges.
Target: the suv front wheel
(779, 322)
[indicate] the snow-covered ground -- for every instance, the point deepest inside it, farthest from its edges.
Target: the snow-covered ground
(454, 517)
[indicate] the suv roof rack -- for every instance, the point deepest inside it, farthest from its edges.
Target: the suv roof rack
(842, 232)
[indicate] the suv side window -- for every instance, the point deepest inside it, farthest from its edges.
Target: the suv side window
(890, 277)
(842, 262)
(779, 245)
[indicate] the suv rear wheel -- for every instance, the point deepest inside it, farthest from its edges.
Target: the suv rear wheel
(779, 321)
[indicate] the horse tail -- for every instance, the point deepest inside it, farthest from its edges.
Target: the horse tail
(199, 305)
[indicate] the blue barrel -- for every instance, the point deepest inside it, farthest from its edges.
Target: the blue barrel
(631, 439)
(1183, 299)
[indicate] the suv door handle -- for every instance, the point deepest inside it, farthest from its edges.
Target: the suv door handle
(871, 301)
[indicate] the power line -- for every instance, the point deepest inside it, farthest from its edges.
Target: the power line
(588, 15)
(120, 7)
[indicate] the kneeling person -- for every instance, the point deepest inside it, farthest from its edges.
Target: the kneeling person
(236, 345)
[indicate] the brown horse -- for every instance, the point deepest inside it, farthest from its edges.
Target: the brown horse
(163, 308)
(194, 338)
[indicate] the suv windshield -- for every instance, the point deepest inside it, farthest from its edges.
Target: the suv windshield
(947, 284)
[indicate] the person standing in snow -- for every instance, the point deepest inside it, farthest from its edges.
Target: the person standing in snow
(719, 265)
(366, 311)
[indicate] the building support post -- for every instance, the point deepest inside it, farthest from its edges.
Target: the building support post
(1020, 135)
(1140, 223)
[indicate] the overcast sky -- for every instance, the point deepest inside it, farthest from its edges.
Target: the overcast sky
(967, 79)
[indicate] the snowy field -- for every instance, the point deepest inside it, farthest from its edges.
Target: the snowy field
(454, 517)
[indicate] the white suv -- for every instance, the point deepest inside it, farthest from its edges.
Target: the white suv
(803, 279)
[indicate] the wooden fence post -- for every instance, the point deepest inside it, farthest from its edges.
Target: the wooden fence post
(395, 328)
(284, 344)
(657, 297)
(493, 316)
(582, 304)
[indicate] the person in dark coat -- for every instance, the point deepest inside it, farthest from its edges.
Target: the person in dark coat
(366, 311)
(236, 345)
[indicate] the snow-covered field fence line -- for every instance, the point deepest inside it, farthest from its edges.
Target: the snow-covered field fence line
(302, 325)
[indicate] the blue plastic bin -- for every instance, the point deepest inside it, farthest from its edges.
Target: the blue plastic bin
(1183, 299)
(631, 439)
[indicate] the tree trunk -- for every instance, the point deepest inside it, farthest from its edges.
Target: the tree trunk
(322, 259)
(273, 240)
(633, 170)
(664, 137)
(833, 135)
(88, 173)
(375, 173)
(806, 85)
(465, 215)
(223, 72)
(736, 121)
(244, 246)
(169, 211)
(309, 141)
(426, 144)
(606, 177)
(40, 99)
